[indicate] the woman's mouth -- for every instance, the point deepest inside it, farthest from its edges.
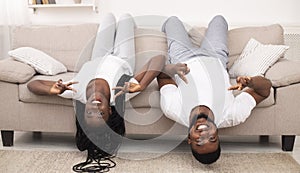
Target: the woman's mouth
(97, 101)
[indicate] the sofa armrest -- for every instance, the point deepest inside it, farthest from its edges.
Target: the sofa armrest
(15, 72)
(284, 72)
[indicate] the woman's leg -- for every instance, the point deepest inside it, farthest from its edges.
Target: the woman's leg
(215, 40)
(124, 43)
(105, 37)
(180, 46)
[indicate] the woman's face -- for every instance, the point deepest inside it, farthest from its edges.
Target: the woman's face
(97, 110)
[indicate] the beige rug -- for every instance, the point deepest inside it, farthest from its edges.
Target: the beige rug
(12, 161)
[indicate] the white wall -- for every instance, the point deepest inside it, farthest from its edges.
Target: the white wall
(194, 12)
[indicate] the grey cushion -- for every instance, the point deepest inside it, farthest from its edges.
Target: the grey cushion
(14, 71)
(284, 72)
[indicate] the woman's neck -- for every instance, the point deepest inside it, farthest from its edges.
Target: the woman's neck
(98, 85)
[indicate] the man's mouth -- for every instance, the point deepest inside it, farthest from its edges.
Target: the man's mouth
(202, 126)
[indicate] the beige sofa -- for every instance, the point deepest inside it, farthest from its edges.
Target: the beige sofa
(20, 110)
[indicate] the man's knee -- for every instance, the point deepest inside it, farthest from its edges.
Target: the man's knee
(219, 19)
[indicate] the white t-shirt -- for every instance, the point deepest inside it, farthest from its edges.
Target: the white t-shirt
(208, 82)
(109, 68)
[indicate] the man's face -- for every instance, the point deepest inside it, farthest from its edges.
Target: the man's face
(97, 110)
(203, 135)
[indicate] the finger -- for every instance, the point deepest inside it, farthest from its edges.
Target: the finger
(72, 89)
(118, 88)
(183, 78)
(59, 85)
(71, 83)
(118, 94)
(59, 81)
(187, 70)
(234, 87)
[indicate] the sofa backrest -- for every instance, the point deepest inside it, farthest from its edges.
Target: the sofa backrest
(239, 37)
(70, 44)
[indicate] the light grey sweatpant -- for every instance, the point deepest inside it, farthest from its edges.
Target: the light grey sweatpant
(181, 48)
(116, 40)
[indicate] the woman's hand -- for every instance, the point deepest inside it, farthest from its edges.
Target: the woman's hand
(58, 87)
(128, 87)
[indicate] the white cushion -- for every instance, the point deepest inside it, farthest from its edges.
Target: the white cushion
(39, 60)
(256, 59)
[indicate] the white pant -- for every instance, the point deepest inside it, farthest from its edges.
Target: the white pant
(119, 42)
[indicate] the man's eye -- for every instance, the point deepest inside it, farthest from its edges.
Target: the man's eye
(212, 138)
(88, 112)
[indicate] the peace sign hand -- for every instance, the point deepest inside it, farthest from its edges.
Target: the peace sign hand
(242, 82)
(128, 87)
(59, 87)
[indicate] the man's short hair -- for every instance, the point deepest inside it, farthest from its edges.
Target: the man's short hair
(208, 158)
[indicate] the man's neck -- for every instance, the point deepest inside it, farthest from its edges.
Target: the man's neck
(202, 109)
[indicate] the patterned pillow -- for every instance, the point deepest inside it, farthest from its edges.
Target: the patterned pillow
(256, 59)
(39, 60)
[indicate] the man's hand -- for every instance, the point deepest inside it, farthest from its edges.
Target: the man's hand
(58, 87)
(128, 87)
(180, 69)
(242, 82)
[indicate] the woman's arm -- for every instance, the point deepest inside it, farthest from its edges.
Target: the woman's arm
(44, 87)
(149, 71)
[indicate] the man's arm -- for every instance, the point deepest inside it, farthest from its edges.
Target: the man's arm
(259, 87)
(44, 87)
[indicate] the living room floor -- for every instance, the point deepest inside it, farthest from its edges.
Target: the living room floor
(65, 142)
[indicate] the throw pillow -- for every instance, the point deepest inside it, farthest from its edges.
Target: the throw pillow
(256, 59)
(40, 61)
(15, 71)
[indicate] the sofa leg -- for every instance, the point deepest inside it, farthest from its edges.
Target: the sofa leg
(7, 138)
(287, 142)
(37, 135)
(264, 139)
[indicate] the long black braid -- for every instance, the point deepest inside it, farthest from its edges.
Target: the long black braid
(100, 143)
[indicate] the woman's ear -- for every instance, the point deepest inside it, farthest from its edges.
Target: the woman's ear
(110, 111)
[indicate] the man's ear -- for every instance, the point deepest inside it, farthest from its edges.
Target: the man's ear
(189, 139)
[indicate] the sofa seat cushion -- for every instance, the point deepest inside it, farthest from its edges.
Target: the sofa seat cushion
(265, 103)
(28, 97)
(149, 98)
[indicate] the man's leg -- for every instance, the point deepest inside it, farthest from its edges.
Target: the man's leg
(105, 36)
(215, 40)
(124, 43)
(180, 46)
